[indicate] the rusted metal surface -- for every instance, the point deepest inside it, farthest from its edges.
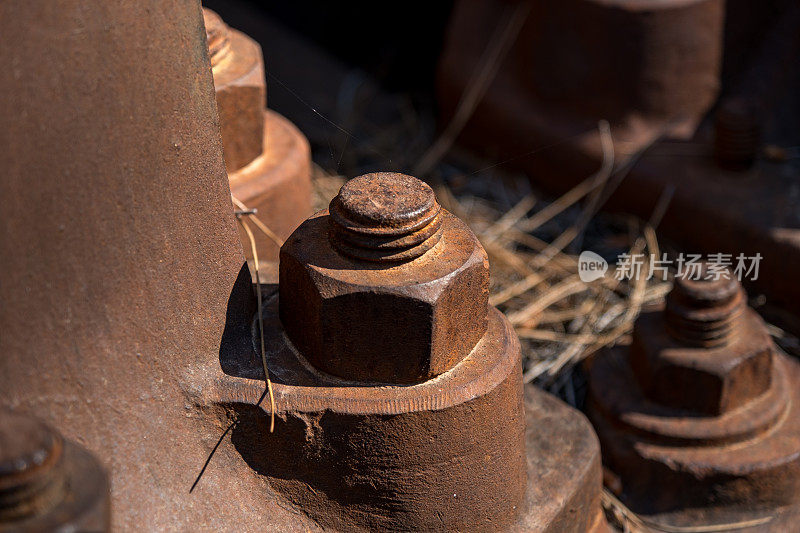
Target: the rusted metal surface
(396, 322)
(736, 208)
(728, 357)
(277, 184)
(397, 410)
(268, 159)
(125, 298)
(705, 313)
(355, 456)
(564, 473)
(701, 420)
(385, 217)
(120, 257)
(47, 483)
(643, 66)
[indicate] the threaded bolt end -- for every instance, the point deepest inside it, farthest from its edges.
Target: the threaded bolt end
(32, 471)
(385, 217)
(217, 36)
(704, 312)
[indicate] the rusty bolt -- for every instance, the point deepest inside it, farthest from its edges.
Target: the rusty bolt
(707, 352)
(737, 134)
(409, 279)
(704, 312)
(46, 482)
(241, 88)
(218, 38)
(387, 217)
(32, 477)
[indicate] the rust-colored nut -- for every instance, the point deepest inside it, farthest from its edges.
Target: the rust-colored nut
(241, 88)
(409, 279)
(706, 353)
(710, 381)
(702, 426)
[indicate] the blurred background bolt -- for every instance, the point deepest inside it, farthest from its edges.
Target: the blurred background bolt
(703, 312)
(737, 132)
(698, 418)
(32, 477)
(47, 483)
(218, 37)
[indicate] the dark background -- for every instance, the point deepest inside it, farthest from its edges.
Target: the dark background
(358, 78)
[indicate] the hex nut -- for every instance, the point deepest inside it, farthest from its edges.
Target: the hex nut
(398, 322)
(241, 91)
(705, 381)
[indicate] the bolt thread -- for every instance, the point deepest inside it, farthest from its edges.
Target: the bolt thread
(385, 217)
(704, 312)
(32, 471)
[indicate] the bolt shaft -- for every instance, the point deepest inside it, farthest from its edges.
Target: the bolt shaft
(704, 312)
(385, 217)
(737, 134)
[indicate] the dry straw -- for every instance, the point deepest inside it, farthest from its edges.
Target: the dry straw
(254, 249)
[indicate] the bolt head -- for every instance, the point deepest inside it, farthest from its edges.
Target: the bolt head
(704, 312)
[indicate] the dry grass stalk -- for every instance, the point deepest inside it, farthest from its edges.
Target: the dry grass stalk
(504, 36)
(258, 222)
(541, 292)
(254, 250)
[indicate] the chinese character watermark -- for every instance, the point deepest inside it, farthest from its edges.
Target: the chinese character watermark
(716, 266)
